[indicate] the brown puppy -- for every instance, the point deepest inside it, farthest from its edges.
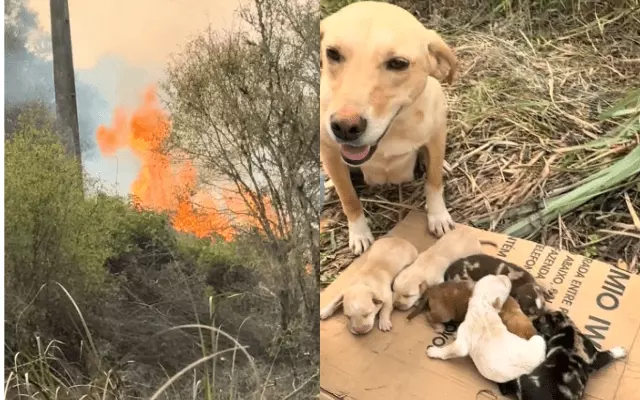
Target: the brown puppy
(381, 104)
(446, 302)
(515, 320)
(370, 289)
(449, 301)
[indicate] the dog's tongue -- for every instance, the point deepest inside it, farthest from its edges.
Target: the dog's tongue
(354, 153)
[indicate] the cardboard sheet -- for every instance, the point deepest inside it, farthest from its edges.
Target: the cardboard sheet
(604, 302)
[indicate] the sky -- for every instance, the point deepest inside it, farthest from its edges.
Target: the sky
(122, 46)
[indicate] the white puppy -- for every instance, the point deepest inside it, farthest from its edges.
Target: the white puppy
(429, 268)
(499, 355)
(370, 289)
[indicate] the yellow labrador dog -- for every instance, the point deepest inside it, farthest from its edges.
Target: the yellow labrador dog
(369, 291)
(381, 104)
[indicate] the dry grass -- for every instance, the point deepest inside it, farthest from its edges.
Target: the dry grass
(528, 99)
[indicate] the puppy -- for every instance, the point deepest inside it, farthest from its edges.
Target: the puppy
(498, 354)
(530, 294)
(570, 359)
(448, 302)
(428, 269)
(370, 291)
(381, 104)
(515, 320)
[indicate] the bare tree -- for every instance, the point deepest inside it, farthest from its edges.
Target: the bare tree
(244, 108)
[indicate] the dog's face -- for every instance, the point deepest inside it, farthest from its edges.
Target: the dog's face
(444, 299)
(550, 322)
(408, 287)
(436, 311)
(361, 307)
(493, 289)
(531, 299)
(375, 60)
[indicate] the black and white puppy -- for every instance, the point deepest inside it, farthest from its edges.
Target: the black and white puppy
(571, 357)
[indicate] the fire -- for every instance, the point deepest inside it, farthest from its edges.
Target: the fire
(163, 184)
(244, 208)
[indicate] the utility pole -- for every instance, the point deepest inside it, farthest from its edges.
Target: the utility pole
(64, 77)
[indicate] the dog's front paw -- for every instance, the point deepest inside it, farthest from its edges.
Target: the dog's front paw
(440, 222)
(618, 352)
(385, 325)
(326, 313)
(434, 352)
(360, 236)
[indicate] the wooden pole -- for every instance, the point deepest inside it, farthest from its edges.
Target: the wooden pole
(63, 76)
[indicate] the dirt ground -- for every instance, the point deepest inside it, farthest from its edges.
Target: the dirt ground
(534, 78)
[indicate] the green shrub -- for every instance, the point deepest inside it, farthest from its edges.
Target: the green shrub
(53, 233)
(206, 254)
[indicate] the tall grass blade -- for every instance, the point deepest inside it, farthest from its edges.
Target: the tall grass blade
(606, 180)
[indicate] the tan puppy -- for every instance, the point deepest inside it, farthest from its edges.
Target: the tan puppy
(428, 269)
(370, 290)
(380, 106)
(515, 320)
(448, 302)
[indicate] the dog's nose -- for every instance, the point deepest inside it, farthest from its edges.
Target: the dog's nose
(361, 329)
(348, 128)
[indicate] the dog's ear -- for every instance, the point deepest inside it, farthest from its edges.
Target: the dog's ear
(497, 304)
(330, 308)
(322, 29)
(439, 54)
(427, 307)
(321, 37)
(376, 296)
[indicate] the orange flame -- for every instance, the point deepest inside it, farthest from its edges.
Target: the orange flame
(163, 184)
(244, 208)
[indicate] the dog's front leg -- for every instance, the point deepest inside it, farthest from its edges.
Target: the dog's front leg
(440, 222)
(384, 317)
(439, 327)
(456, 349)
(360, 236)
(604, 358)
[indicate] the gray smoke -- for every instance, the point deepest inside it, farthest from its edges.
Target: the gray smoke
(28, 76)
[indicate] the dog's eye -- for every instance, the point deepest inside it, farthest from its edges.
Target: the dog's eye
(333, 55)
(397, 64)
